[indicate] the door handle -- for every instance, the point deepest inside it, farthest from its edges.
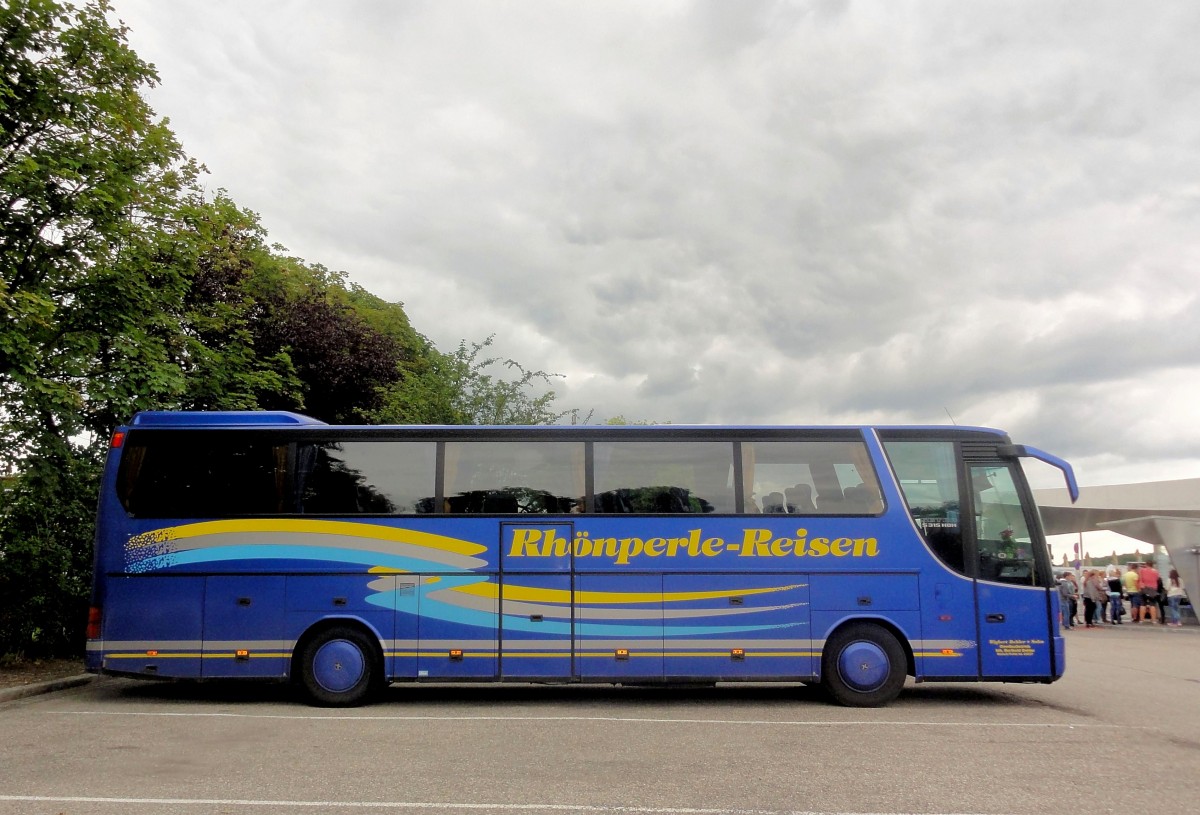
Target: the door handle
(995, 618)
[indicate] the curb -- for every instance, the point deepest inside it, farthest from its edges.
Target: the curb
(49, 686)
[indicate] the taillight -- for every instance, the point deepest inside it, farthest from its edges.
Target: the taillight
(93, 626)
(118, 439)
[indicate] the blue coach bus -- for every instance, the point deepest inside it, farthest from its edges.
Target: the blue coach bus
(269, 545)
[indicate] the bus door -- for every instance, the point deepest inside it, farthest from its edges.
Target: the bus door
(537, 621)
(1012, 596)
(986, 613)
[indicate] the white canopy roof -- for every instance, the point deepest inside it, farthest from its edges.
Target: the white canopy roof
(1099, 506)
(1161, 513)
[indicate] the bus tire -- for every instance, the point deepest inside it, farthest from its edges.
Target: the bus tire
(863, 665)
(340, 667)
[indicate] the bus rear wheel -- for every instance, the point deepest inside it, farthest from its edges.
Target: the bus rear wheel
(863, 665)
(340, 667)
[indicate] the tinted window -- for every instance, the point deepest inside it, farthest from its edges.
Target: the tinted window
(809, 478)
(202, 476)
(351, 477)
(929, 480)
(664, 477)
(514, 477)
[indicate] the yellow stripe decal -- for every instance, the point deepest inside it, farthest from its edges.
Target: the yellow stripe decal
(185, 655)
(304, 525)
(529, 594)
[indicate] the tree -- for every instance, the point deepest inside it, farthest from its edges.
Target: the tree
(46, 524)
(620, 421)
(231, 273)
(340, 360)
(123, 287)
(89, 179)
(467, 387)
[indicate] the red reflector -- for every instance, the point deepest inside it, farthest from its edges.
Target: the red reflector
(93, 623)
(118, 439)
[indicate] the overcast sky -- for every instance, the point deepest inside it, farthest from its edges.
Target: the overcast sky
(744, 212)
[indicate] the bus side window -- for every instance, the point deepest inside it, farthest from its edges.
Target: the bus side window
(249, 480)
(820, 477)
(365, 477)
(663, 477)
(210, 477)
(929, 481)
(517, 477)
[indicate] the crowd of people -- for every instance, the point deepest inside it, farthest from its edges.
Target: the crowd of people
(1102, 595)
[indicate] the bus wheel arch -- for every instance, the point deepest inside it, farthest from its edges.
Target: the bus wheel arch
(338, 663)
(864, 663)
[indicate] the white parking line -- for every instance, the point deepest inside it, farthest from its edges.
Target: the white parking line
(615, 719)
(423, 805)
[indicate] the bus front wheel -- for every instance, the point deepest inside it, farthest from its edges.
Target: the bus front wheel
(340, 667)
(863, 665)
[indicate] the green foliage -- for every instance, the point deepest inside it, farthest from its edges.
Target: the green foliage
(467, 387)
(46, 557)
(123, 287)
(620, 421)
(88, 178)
(220, 250)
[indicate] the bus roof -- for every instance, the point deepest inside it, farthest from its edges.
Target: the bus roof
(221, 418)
(283, 418)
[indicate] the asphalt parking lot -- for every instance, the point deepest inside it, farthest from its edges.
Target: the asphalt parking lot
(1122, 726)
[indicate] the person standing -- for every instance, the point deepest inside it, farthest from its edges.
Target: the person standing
(1129, 582)
(1066, 599)
(1174, 597)
(1089, 605)
(1095, 597)
(1116, 608)
(1085, 597)
(1148, 585)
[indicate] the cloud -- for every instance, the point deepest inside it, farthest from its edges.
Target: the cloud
(768, 212)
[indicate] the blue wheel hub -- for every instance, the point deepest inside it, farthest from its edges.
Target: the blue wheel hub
(338, 665)
(864, 666)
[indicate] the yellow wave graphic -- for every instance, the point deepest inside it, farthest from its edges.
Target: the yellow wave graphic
(530, 594)
(301, 526)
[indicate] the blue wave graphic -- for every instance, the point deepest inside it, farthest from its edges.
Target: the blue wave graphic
(431, 607)
(278, 552)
